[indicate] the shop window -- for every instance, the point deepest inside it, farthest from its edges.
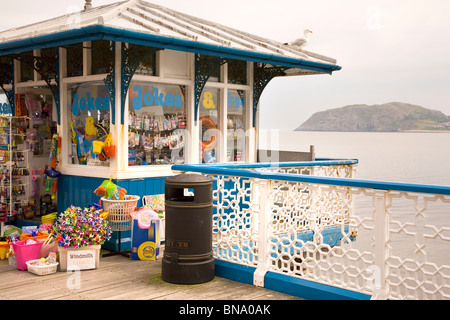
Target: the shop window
(39, 108)
(88, 123)
(102, 57)
(237, 72)
(147, 65)
(157, 133)
(74, 60)
(236, 125)
(209, 125)
(26, 71)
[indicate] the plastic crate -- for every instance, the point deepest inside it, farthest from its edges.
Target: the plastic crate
(41, 270)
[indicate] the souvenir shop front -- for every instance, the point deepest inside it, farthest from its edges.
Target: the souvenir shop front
(124, 91)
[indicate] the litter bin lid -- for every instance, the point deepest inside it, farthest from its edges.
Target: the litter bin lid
(188, 179)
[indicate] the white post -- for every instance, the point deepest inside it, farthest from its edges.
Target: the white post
(117, 130)
(263, 232)
(381, 233)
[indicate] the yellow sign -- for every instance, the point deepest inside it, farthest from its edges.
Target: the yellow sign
(208, 101)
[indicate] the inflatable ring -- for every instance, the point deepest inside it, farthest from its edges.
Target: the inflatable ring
(209, 124)
(147, 251)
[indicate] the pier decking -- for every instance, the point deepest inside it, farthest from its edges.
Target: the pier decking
(119, 278)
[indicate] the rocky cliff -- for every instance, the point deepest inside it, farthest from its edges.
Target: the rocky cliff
(388, 117)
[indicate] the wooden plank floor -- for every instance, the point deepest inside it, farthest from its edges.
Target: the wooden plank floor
(119, 278)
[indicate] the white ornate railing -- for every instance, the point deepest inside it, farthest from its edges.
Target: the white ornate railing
(313, 221)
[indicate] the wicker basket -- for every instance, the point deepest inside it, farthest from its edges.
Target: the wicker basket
(119, 212)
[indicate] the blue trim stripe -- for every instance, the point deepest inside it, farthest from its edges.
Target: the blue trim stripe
(234, 271)
(286, 284)
(97, 32)
(308, 289)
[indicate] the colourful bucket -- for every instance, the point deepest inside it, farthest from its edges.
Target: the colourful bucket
(26, 252)
(4, 249)
(110, 151)
(97, 146)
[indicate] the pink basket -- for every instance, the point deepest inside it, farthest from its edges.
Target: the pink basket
(26, 252)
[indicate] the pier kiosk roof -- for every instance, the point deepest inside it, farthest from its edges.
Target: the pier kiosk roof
(144, 23)
(157, 81)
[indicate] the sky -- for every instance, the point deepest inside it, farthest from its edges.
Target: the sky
(388, 50)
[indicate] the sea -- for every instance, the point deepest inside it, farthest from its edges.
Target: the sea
(412, 157)
(409, 157)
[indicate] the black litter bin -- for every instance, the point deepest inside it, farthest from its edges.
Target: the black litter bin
(188, 256)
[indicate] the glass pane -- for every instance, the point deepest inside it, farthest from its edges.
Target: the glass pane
(89, 116)
(156, 124)
(209, 118)
(237, 72)
(50, 53)
(40, 132)
(75, 60)
(148, 63)
(215, 75)
(26, 71)
(236, 125)
(102, 57)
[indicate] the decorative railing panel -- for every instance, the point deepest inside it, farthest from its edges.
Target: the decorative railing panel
(317, 223)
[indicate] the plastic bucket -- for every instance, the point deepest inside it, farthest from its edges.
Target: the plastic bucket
(26, 252)
(97, 146)
(4, 249)
(110, 151)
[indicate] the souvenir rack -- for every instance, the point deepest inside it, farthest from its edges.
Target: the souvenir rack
(14, 168)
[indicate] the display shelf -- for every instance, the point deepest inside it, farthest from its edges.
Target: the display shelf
(155, 140)
(15, 176)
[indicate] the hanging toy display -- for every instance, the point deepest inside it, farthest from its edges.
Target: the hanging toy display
(51, 181)
(103, 146)
(110, 191)
(51, 174)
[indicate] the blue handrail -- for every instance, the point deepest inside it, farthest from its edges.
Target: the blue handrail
(317, 162)
(241, 170)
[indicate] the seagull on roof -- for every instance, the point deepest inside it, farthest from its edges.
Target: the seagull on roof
(301, 42)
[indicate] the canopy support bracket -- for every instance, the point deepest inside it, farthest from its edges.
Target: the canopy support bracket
(262, 76)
